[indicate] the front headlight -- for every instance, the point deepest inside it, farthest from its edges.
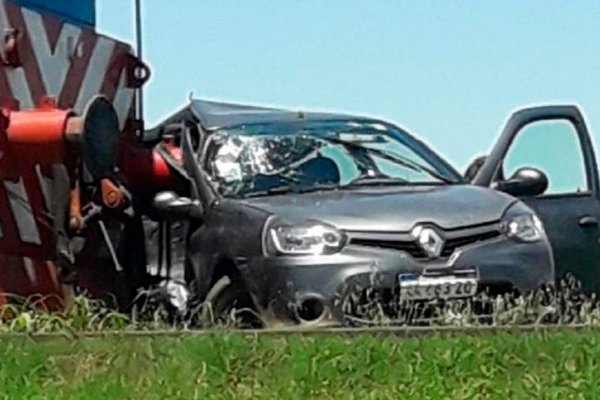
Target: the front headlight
(307, 238)
(525, 228)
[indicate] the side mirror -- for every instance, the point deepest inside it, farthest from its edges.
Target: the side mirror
(171, 206)
(526, 181)
(474, 168)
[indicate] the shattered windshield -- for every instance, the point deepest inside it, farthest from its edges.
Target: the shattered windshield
(263, 159)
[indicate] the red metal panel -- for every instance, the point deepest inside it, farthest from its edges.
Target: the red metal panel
(73, 63)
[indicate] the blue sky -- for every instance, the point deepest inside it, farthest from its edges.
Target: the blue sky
(448, 71)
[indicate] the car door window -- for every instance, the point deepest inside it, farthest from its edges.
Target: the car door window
(552, 146)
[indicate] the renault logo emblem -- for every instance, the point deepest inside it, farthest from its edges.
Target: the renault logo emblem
(429, 240)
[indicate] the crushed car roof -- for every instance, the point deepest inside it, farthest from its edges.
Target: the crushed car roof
(215, 114)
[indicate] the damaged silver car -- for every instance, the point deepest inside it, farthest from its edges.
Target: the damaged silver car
(289, 213)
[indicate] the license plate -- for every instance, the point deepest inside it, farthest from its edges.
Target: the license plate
(414, 287)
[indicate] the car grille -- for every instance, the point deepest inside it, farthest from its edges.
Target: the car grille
(453, 244)
(411, 247)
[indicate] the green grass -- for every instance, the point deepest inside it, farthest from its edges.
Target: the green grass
(565, 305)
(558, 365)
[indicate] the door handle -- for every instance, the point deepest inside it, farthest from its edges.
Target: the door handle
(588, 221)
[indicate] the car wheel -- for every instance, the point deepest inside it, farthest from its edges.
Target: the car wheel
(229, 303)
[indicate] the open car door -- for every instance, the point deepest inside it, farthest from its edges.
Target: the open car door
(545, 157)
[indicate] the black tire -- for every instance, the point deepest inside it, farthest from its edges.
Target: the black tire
(132, 256)
(229, 303)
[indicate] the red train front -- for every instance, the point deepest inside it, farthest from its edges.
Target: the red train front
(72, 172)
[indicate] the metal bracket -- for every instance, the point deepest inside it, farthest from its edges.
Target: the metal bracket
(10, 50)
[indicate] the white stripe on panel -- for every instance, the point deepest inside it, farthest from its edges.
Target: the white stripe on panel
(95, 73)
(54, 65)
(46, 185)
(22, 212)
(30, 270)
(123, 100)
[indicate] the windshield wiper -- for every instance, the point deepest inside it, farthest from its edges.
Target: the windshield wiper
(269, 192)
(366, 180)
(291, 189)
(392, 157)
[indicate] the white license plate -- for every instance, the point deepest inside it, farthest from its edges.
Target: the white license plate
(442, 287)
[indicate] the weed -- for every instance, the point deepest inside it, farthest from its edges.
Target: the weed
(562, 305)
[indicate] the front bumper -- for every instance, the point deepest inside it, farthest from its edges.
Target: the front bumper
(280, 284)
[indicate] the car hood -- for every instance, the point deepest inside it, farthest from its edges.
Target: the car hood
(391, 209)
